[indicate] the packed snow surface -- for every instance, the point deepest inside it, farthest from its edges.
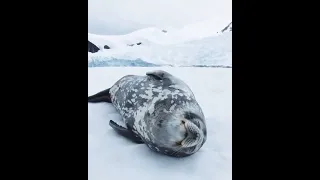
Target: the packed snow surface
(111, 156)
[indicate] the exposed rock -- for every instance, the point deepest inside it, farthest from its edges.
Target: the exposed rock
(134, 44)
(106, 47)
(92, 48)
(165, 31)
(227, 28)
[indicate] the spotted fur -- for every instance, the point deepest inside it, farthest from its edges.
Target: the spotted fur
(153, 107)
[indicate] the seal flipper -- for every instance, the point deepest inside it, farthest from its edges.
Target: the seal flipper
(125, 132)
(159, 74)
(103, 96)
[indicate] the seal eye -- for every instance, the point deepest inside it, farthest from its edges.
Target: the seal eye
(179, 143)
(186, 133)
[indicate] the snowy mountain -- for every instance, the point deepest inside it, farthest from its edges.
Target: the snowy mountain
(195, 44)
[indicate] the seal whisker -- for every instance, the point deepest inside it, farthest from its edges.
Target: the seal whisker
(177, 151)
(189, 142)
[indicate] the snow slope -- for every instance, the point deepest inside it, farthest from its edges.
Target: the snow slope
(113, 157)
(199, 43)
(214, 50)
(154, 35)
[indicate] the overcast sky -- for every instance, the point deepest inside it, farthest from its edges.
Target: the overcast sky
(124, 16)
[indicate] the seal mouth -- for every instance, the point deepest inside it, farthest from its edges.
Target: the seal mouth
(192, 135)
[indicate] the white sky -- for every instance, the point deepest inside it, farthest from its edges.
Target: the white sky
(124, 16)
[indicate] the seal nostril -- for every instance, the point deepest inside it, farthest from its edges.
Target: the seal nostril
(196, 136)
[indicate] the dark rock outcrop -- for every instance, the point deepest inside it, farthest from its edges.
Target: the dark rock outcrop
(165, 31)
(227, 28)
(139, 43)
(92, 48)
(106, 47)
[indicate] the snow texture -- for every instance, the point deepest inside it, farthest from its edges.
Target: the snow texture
(105, 61)
(216, 50)
(197, 44)
(111, 156)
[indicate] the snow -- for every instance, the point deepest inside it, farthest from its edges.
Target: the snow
(103, 62)
(192, 45)
(154, 35)
(113, 157)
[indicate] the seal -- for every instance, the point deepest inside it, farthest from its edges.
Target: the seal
(158, 109)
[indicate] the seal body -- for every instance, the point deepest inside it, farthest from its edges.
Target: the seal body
(159, 110)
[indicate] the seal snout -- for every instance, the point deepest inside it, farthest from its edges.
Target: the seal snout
(193, 134)
(191, 131)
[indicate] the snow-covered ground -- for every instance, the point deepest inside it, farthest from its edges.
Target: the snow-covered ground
(200, 43)
(113, 157)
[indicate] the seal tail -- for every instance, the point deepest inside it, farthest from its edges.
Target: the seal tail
(103, 96)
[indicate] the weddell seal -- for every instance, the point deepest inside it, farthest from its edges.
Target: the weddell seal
(159, 110)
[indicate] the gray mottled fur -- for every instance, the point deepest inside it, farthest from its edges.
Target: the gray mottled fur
(147, 102)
